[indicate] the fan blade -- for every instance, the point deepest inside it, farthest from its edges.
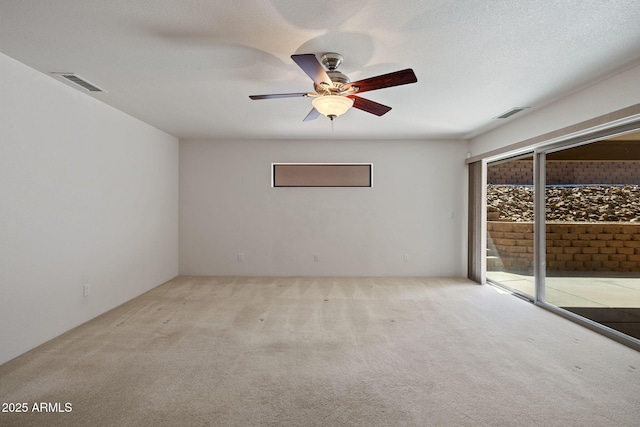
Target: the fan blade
(397, 78)
(312, 67)
(369, 106)
(279, 95)
(313, 114)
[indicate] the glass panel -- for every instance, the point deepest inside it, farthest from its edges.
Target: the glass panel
(510, 224)
(593, 232)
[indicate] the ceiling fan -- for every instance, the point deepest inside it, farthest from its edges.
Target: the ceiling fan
(334, 93)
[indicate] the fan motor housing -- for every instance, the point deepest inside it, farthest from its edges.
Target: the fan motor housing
(338, 79)
(331, 62)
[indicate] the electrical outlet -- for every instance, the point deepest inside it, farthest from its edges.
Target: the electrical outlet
(406, 257)
(316, 258)
(240, 256)
(87, 290)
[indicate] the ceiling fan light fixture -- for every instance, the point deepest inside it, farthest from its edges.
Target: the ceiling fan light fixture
(332, 106)
(334, 93)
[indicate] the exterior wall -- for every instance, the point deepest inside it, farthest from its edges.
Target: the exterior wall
(510, 246)
(567, 172)
(570, 247)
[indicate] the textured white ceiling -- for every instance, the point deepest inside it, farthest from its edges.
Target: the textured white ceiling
(188, 66)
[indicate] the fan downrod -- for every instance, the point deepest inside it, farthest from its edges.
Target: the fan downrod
(331, 61)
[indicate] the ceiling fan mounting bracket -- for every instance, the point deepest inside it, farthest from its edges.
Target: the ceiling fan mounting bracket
(331, 60)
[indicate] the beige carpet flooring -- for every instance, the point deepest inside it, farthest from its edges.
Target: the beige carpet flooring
(218, 351)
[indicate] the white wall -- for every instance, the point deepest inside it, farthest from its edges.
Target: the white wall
(417, 206)
(619, 91)
(88, 195)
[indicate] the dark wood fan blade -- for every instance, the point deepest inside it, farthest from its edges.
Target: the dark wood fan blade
(397, 78)
(312, 67)
(313, 114)
(278, 95)
(369, 106)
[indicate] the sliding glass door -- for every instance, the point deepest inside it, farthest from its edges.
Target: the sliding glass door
(509, 255)
(586, 234)
(593, 232)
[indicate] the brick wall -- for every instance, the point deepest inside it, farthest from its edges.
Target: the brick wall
(567, 172)
(570, 247)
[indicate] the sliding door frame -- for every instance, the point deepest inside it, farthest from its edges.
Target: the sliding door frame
(539, 227)
(477, 218)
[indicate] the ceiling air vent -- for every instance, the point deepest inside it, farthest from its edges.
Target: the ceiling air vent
(511, 112)
(79, 81)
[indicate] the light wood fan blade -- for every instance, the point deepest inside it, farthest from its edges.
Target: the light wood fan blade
(312, 67)
(313, 114)
(279, 95)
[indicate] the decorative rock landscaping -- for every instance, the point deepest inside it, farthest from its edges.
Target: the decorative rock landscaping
(586, 203)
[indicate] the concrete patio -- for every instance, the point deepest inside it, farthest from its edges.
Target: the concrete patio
(614, 292)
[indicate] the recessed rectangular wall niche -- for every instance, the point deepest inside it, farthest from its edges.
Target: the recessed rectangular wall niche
(321, 174)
